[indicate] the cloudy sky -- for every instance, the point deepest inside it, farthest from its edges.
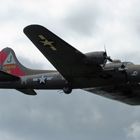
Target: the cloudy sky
(87, 25)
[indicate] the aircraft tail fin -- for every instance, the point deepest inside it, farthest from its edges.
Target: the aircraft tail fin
(10, 64)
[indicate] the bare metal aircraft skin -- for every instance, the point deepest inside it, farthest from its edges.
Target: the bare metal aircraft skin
(115, 80)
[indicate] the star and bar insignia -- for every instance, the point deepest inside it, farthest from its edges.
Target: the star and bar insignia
(47, 43)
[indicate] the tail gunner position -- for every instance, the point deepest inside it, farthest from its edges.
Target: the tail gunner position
(115, 80)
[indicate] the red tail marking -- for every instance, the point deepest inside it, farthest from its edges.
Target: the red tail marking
(3, 56)
(17, 71)
(13, 69)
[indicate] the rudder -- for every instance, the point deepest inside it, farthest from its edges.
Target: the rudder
(10, 64)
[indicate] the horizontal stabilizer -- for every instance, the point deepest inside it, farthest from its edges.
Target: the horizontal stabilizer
(27, 91)
(6, 77)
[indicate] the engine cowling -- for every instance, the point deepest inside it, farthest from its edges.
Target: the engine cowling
(96, 58)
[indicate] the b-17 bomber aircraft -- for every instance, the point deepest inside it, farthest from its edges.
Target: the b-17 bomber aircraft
(94, 72)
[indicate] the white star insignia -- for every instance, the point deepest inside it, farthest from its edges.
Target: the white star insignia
(42, 79)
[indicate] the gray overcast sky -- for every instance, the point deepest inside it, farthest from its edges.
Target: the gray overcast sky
(87, 25)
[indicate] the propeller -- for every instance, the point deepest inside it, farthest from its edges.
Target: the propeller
(106, 57)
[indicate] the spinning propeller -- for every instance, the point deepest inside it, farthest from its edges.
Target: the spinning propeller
(106, 57)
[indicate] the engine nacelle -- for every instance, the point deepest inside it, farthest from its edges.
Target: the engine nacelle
(96, 58)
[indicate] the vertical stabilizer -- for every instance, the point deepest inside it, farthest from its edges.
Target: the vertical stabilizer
(10, 64)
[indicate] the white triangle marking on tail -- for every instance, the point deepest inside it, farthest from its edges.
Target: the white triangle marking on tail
(9, 60)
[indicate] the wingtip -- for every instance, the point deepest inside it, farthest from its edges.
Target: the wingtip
(32, 27)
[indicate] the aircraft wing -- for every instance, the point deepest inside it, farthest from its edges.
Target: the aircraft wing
(65, 58)
(118, 94)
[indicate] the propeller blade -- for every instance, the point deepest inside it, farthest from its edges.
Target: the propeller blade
(107, 58)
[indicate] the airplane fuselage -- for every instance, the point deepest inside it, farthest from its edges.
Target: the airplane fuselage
(112, 74)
